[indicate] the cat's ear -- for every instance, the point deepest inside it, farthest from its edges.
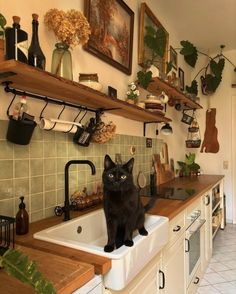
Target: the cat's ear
(108, 163)
(129, 165)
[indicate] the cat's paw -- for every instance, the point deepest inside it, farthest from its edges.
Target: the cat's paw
(109, 248)
(143, 231)
(129, 243)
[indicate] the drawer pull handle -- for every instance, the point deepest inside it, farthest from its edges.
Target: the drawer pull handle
(196, 280)
(163, 280)
(177, 228)
(208, 200)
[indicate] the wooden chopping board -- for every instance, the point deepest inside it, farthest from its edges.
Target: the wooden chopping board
(164, 170)
(66, 274)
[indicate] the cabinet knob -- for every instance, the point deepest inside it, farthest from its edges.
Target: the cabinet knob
(196, 280)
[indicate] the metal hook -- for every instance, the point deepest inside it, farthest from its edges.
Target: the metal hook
(73, 121)
(64, 106)
(83, 116)
(10, 105)
(46, 104)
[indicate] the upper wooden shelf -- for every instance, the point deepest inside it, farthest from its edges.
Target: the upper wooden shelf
(159, 85)
(27, 78)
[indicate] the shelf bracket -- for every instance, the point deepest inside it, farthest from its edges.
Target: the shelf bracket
(144, 126)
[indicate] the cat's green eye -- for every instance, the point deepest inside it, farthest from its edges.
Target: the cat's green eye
(111, 176)
(123, 177)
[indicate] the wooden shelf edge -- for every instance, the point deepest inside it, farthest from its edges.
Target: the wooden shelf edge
(158, 85)
(27, 78)
(233, 85)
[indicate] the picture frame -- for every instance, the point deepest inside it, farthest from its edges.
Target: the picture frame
(181, 79)
(111, 37)
(173, 57)
(147, 18)
(112, 92)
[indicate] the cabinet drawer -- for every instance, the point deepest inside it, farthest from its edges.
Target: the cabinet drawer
(176, 228)
(196, 281)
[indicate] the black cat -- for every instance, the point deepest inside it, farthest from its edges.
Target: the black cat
(123, 209)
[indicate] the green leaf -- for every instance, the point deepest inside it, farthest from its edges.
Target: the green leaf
(193, 88)
(189, 159)
(156, 40)
(217, 67)
(2, 21)
(212, 83)
(169, 66)
(16, 264)
(190, 53)
(144, 78)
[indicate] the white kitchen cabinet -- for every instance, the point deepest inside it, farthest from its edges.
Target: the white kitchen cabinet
(147, 281)
(173, 266)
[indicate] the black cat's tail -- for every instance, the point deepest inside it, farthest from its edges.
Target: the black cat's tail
(150, 204)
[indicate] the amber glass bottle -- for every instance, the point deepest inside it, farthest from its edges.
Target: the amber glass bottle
(22, 219)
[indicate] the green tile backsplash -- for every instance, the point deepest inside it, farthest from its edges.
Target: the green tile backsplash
(36, 171)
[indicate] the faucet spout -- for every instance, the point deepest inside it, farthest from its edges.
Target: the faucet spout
(67, 201)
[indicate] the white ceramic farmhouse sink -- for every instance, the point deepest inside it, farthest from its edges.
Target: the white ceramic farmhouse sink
(88, 233)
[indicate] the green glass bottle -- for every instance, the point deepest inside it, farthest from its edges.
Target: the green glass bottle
(62, 61)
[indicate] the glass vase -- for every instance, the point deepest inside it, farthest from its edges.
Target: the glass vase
(62, 61)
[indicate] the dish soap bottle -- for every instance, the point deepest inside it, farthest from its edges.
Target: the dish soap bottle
(19, 109)
(22, 219)
(36, 57)
(16, 42)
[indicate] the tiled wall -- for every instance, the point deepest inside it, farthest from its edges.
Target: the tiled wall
(36, 171)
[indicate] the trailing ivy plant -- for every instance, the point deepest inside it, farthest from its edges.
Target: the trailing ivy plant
(16, 264)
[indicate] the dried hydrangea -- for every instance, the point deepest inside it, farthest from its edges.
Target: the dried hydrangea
(70, 27)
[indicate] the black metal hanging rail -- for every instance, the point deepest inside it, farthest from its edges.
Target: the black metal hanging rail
(8, 89)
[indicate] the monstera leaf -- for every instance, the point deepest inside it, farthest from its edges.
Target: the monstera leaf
(144, 78)
(212, 83)
(193, 88)
(217, 67)
(189, 51)
(16, 264)
(156, 40)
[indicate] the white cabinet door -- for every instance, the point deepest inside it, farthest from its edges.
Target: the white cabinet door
(146, 282)
(174, 269)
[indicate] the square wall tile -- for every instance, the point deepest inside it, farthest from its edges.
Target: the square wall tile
(6, 169)
(21, 168)
(6, 189)
(36, 184)
(6, 150)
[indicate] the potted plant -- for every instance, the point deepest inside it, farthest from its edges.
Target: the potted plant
(2, 31)
(17, 264)
(188, 167)
(155, 40)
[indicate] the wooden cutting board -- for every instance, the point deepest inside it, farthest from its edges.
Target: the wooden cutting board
(164, 170)
(66, 274)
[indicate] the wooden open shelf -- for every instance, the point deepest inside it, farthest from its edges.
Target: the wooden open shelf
(159, 85)
(27, 78)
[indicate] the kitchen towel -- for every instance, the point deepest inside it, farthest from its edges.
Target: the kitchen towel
(58, 125)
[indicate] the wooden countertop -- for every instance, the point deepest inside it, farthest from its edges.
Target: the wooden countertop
(97, 264)
(171, 208)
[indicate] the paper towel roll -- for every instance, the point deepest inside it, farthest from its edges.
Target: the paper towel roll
(60, 126)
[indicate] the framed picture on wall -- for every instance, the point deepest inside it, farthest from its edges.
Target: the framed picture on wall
(148, 19)
(173, 57)
(181, 79)
(111, 39)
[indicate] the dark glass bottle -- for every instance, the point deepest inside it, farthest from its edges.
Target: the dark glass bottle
(36, 57)
(16, 42)
(22, 219)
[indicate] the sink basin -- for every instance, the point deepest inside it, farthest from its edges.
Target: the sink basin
(88, 233)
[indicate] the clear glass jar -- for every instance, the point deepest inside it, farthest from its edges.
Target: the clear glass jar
(62, 61)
